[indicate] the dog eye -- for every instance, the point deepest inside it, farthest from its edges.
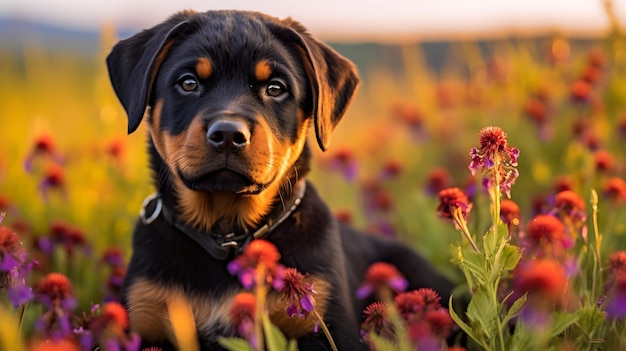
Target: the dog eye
(275, 89)
(188, 83)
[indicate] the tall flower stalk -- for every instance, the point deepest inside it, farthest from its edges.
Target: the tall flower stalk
(488, 316)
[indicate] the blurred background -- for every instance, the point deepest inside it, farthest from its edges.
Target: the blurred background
(552, 74)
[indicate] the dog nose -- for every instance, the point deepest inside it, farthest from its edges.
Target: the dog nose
(228, 135)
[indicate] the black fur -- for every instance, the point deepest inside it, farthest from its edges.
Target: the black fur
(146, 68)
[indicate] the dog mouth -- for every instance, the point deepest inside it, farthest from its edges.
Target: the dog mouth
(223, 180)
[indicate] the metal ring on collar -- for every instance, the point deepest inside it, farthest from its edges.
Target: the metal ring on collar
(155, 213)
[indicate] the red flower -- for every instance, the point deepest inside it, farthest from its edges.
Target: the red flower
(510, 212)
(391, 169)
(54, 179)
(437, 180)
(258, 253)
(413, 304)
(410, 116)
(113, 317)
(55, 289)
(116, 149)
(244, 307)
(113, 256)
(439, 321)
(451, 200)
(548, 230)
(615, 189)
(541, 278)
(603, 160)
(44, 146)
(617, 262)
(537, 110)
(345, 162)
(381, 275)
(596, 58)
(580, 91)
(570, 207)
(54, 345)
(68, 236)
(377, 320)
(242, 316)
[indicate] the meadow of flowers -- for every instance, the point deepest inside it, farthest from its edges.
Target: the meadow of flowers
(506, 169)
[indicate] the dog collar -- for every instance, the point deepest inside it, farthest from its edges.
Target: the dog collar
(220, 246)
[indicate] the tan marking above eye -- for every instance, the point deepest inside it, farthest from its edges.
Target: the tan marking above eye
(263, 70)
(204, 68)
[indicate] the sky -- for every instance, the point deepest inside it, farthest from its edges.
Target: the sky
(350, 19)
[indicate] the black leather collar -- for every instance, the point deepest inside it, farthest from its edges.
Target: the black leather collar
(221, 246)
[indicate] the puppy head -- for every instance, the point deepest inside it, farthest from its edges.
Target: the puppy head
(231, 95)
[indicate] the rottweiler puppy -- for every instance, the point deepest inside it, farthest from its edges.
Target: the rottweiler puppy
(228, 97)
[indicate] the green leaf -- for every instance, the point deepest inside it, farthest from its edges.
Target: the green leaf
(476, 265)
(514, 310)
(510, 257)
(479, 339)
(382, 344)
(483, 315)
(235, 344)
(561, 321)
(274, 338)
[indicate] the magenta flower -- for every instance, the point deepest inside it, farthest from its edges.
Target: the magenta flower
(242, 317)
(299, 293)
(344, 161)
(54, 291)
(495, 159)
(13, 267)
(259, 253)
(380, 276)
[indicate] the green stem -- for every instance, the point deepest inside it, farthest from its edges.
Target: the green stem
(462, 224)
(597, 243)
(325, 330)
(20, 321)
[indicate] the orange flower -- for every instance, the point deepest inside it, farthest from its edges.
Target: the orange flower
(243, 308)
(115, 314)
(541, 278)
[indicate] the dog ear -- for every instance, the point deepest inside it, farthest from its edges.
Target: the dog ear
(333, 79)
(134, 62)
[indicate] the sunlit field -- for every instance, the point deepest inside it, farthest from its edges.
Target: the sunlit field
(72, 183)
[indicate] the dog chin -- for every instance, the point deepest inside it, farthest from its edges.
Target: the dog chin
(226, 181)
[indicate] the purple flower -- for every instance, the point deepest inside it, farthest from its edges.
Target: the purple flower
(298, 292)
(494, 151)
(14, 267)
